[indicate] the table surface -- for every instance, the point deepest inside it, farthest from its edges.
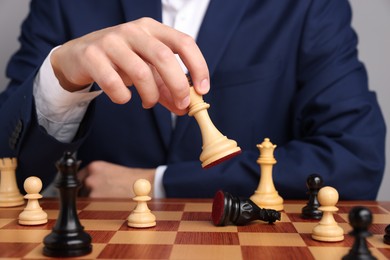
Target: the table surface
(184, 231)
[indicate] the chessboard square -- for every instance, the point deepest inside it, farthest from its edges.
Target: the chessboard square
(14, 213)
(123, 251)
(95, 214)
(200, 216)
(37, 253)
(346, 227)
(205, 252)
(207, 238)
(52, 213)
(270, 239)
(385, 252)
(276, 252)
(377, 241)
(325, 253)
(168, 215)
(23, 236)
(293, 208)
(347, 242)
(377, 228)
(109, 225)
(155, 206)
(198, 207)
(5, 221)
(8, 250)
(144, 237)
(381, 218)
(111, 206)
(374, 209)
(15, 225)
(163, 225)
(204, 226)
(307, 227)
(284, 217)
(330, 252)
(343, 216)
(259, 226)
(101, 236)
(296, 217)
(379, 254)
(385, 205)
(52, 204)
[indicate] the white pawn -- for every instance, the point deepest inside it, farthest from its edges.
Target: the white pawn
(327, 229)
(141, 217)
(32, 213)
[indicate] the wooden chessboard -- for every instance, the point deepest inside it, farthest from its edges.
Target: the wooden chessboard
(184, 231)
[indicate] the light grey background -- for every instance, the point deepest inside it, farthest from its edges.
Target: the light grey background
(371, 19)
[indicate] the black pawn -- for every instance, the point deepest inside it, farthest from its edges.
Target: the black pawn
(231, 209)
(386, 237)
(314, 184)
(68, 238)
(360, 218)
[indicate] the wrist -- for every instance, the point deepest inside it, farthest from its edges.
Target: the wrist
(66, 84)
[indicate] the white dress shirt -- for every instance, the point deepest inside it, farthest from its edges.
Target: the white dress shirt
(60, 112)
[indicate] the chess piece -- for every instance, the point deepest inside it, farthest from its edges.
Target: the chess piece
(266, 195)
(386, 237)
(311, 211)
(141, 217)
(231, 209)
(68, 238)
(216, 147)
(32, 214)
(9, 193)
(360, 219)
(327, 229)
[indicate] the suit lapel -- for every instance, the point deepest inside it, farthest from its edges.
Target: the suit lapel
(219, 24)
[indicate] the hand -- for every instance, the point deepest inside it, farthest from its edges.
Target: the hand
(107, 180)
(140, 52)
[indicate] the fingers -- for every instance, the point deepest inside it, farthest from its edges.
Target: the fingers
(101, 70)
(133, 68)
(182, 44)
(127, 54)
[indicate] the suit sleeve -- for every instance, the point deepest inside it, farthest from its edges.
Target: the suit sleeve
(42, 30)
(338, 129)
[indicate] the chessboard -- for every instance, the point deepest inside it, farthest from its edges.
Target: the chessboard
(184, 230)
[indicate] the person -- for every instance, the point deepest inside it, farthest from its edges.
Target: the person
(288, 71)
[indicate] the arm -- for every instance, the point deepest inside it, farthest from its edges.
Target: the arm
(340, 129)
(146, 60)
(17, 106)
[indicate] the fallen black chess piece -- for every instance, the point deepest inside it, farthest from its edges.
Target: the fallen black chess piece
(232, 209)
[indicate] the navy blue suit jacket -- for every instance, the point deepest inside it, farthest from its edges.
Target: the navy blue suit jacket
(287, 70)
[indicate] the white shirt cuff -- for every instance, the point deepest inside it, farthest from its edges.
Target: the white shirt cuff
(59, 111)
(159, 191)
